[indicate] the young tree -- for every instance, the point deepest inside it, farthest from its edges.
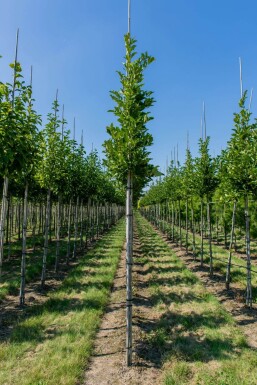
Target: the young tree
(126, 150)
(241, 171)
(207, 181)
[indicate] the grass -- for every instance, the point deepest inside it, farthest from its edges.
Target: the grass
(10, 279)
(52, 343)
(220, 256)
(199, 342)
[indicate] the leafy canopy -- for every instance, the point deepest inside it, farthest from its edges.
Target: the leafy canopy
(126, 150)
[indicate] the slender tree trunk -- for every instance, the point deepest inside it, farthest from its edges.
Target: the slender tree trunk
(173, 223)
(24, 248)
(2, 221)
(179, 223)
(58, 230)
(193, 227)
(74, 255)
(129, 263)
(186, 225)
(248, 256)
(201, 232)
(228, 276)
(34, 225)
(19, 221)
(10, 227)
(47, 221)
(210, 236)
(81, 225)
(217, 227)
(69, 235)
(7, 221)
(225, 226)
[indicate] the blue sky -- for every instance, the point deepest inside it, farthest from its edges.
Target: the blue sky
(77, 46)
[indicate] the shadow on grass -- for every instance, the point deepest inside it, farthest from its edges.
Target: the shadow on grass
(98, 272)
(189, 335)
(178, 336)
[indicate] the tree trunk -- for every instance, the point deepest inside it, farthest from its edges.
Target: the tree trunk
(81, 225)
(179, 223)
(225, 226)
(186, 225)
(193, 227)
(24, 248)
(19, 221)
(48, 209)
(10, 209)
(210, 237)
(201, 232)
(58, 230)
(228, 277)
(34, 224)
(2, 221)
(69, 235)
(74, 254)
(248, 256)
(129, 263)
(173, 224)
(217, 227)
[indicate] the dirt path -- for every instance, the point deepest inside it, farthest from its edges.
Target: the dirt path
(108, 365)
(232, 300)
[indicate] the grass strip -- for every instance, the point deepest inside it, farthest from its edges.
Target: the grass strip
(198, 341)
(11, 277)
(238, 274)
(53, 343)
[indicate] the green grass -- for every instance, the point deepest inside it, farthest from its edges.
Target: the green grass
(52, 343)
(220, 256)
(10, 280)
(198, 341)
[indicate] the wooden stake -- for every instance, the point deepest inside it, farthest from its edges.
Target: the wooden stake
(250, 103)
(62, 122)
(129, 17)
(241, 77)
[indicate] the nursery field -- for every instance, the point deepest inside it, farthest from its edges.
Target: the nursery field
(182, 333)
(114, 270)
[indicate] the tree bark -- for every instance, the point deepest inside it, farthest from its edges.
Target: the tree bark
(193, 227)
(186, 225)
(201, 232)
(179, 223)
(210, 237)
(129, 263)
(2, 221)
(24, 247)
(228, 277)
(47, 221)
(74, 254)
(69, 234)
(248, 255)
(58, 231)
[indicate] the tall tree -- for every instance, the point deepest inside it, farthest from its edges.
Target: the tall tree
(126, 150)
(241, 171)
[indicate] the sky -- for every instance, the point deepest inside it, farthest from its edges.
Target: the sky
(76, 46)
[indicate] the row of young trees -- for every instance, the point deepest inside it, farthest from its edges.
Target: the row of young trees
(45, 166)
(203, 183)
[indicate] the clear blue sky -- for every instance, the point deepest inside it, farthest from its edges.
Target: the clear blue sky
(77, 45)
